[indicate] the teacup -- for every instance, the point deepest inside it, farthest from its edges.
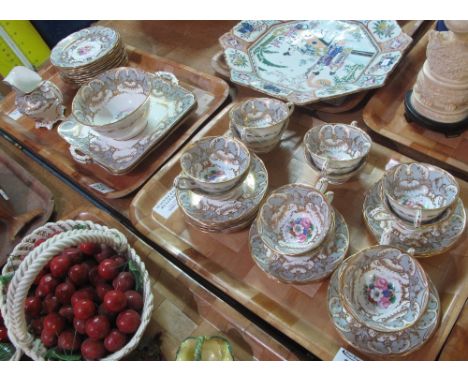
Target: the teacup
(384, 288)
(260, 122)
(419, 192)
(296, 218)
(214, 166)
(337, 149)
(115, 103)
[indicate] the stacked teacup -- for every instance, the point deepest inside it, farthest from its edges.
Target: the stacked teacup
(417, 206)
(260, 122)
(298, 237)
(338, 151)
(382, 302)
(221, 184)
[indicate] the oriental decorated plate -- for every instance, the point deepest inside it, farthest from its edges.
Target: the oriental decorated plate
(313, 60)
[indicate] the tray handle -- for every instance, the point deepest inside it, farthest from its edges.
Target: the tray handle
(168, 77)
(79, 157)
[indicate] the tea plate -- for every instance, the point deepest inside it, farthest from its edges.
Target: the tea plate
(373, 342)
(315, 266)
(426, 241)
(311, 60)
(169, 104)
(222, 214)
(84, 46)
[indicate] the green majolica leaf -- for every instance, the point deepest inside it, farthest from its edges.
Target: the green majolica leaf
(55, 355)
(6, 351)
(5, 279)
(133, 268)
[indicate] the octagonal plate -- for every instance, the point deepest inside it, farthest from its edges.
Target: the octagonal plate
(313, 60)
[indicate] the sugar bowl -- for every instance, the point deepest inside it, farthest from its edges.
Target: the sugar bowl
(115, 103)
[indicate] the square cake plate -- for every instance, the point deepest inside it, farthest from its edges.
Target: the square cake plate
(170, 103)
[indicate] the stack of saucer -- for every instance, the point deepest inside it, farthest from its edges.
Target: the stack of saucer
(221, 186)
(298, 237)
(417, 206)
(382, 303)
(83, 55)
(338, 151)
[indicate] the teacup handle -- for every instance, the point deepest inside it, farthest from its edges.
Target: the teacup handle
(354, 124)
(386, 237)
(168, 77)
(322, 184)
(291, 107)
(417, 219)
(184, 183)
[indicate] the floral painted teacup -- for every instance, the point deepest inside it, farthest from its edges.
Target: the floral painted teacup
(213, 166)
(383, 288)
(419, 192)
(295, 219)
(260, 122)
(337, 149)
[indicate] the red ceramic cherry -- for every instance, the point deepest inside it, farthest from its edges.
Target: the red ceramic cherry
(124, 282)
(54, 323)
(64, 292)
(78, 274)
(115, 341)
(60, 265)
(33, 306)
(92, 350)
(89, 249)
(128, 321)
(84, 309)
(108, 269)
(134, 300)
(69, 341)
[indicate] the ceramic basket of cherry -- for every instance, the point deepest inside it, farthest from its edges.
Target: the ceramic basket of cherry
(75, 290)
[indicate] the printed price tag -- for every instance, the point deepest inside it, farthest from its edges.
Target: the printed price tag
(15, 114)
(4, 194)
(345, 355)
(167, 204)
(101, 187)
(391, 163)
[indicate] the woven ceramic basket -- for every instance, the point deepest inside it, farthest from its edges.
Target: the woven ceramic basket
(29, 260)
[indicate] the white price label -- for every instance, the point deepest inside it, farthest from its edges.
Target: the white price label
(101, 187)
(15, 114)
(167, 204)
(345, 355)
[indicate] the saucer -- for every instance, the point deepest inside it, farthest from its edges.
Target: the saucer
(336, 178)
(169, 104)
(373, 342)
(426, 241)
(319, 264)
(217, 215)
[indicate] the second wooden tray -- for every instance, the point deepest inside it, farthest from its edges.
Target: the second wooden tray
(210, 93)
(298, 311)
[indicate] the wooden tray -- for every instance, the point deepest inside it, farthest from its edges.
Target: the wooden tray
(336, 106)
(25, 194)
(298, 311)
(210, 92)
(385, 115)
(183, 308)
